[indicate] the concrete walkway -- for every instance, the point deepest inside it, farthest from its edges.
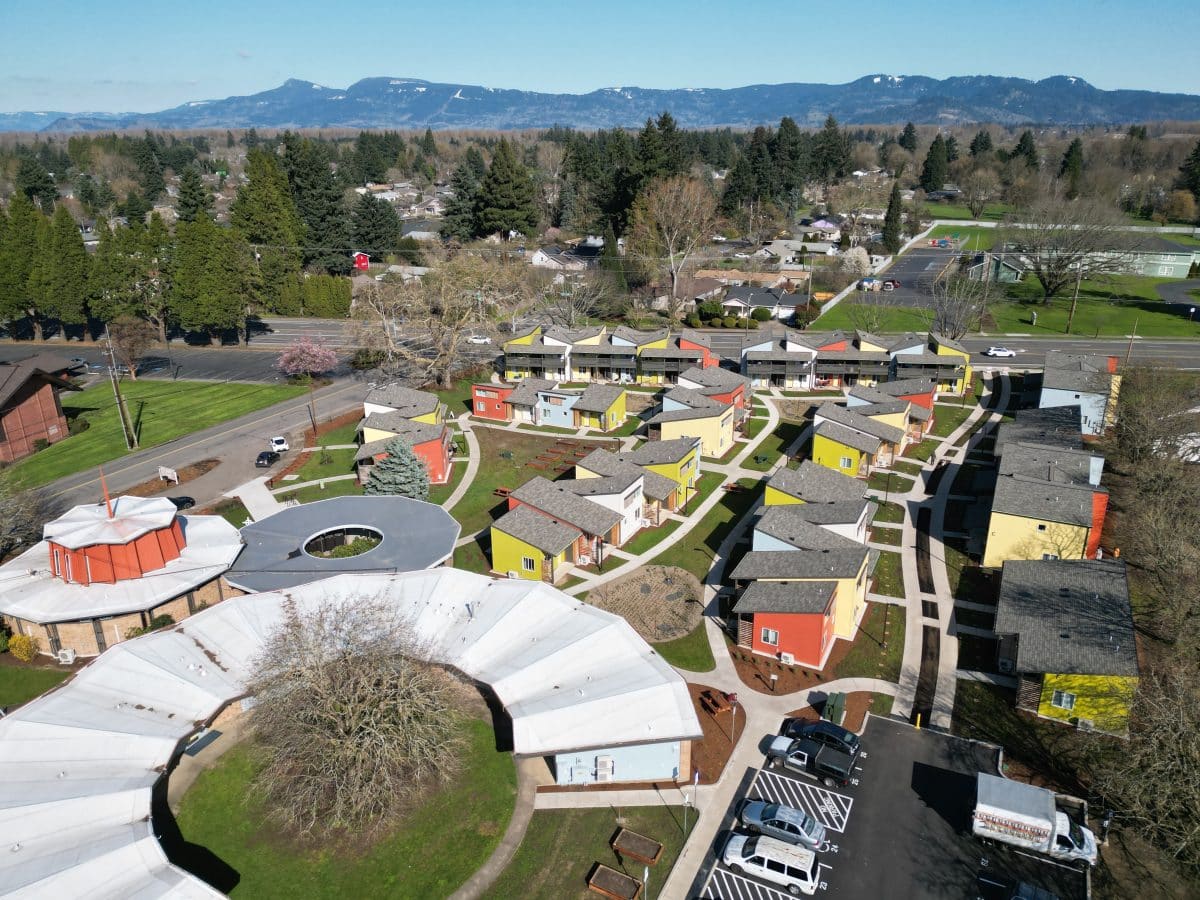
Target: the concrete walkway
(257, 498)
(473, 454)
(296, 485)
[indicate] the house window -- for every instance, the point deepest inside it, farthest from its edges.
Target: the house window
(1047, 556)
(770, 637)
(1041, 526)
(847, 462)
(555, 401)
(480, 405)
(1063, 700)
(528, 563)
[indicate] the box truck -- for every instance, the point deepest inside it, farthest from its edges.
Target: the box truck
(1033, 818)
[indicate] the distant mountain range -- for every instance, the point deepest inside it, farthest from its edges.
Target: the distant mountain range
(413, 103)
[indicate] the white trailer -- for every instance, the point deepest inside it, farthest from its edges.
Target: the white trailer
(1031, 817)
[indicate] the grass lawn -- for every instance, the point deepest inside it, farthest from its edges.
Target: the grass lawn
(650, 537)
(323, 463)
(977, 238)
(1107, 307)
(632, 424)
(440, 493)
(474, 511)
(893, 319)
(991, 212)
(313, 492)
(922, 451)
(696, 551)
(549, 429)
(19, 684)
(770, 448)
(344, 435)
(457, 397)
(889, 578)
(876, 652)
(754, 427)
(437, 848)
(886, 536)
(232, 511)
(473, 558)
(947, 418)
(908, 468)
(889, 482)
(689, 652)
(889, 512)
(705, 485)
(562, 845)
(161, 411)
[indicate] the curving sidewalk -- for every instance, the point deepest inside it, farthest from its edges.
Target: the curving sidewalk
(473, 456)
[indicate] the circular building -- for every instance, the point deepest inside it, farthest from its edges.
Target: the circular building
(360, 535)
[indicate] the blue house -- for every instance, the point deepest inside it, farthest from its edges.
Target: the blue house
(554, 408)
(1089, 382)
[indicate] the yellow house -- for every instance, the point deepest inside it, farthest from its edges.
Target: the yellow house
(1066, 631)
(1033, 518)
(677, 459)
(385, 426)
(844, 450)
(601, 408)
(527, 544)
(688, 413)
(848, 564)
(416, 406)
(943, 346)
(811, 483)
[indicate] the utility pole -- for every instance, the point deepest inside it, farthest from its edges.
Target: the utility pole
(1129, 349)
(1075, 299)
(131, 441)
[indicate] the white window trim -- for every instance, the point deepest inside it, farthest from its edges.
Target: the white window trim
(1063, 700)
(763, 636)
(528, 563)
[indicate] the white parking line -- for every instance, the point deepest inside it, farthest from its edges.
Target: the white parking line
(725, 885)
(830, 809)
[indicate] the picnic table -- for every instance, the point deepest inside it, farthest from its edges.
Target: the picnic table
(715, 702)
(502, 492)
(637, 847)
(608, 882)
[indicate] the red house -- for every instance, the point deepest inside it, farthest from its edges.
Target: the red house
(694, 340)
(490, 401)
(918, 391)
(716, 383)
(788, 620)
(29, 406)
(430, 443)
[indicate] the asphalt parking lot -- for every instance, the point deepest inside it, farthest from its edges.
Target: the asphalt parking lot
(904, 831)
(916, 270)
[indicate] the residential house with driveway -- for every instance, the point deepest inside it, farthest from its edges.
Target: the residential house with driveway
(1090, 382)
(744, 300)
(855, 444)
(30, 409)
(1065, 629)
(687, 413)
(677, 459)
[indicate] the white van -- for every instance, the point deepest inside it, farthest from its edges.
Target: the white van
(795, 868)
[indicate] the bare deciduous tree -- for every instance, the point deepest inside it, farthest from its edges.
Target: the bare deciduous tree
(1066, 241)
(868, 311)
(131, 337)
(1155, 416)
(571, 302)
(980, 187)
(958, 305)
(668, 222)
(355, 725)
(22, 514)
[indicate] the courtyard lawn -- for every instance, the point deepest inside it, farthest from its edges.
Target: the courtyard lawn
(705, 485)
(770, 448)
(650, 537)
(879, 646)
(908, 468)
(695, 552)
(689, 652)
(1109, 307)
(440, 493)
(345, 434)
(893, 319)
(161, 411)
(324, 463)
(472, 557)
(889, 512)
(457, 397)
(922, 451)
(976, 238)
(889, 577)
(991, 212)
(890, 536)
(889, 482)
(562, 845)
(20, 684)
(632, 424)
(436, 848)
(340, 488)
(946, 418)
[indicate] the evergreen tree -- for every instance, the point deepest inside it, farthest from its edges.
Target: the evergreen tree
(428, 144)
(473, 160)
(1071, 169)
(150, 170)
(1026, 149)
(612, 263)
(251, 139)
(399, 474)
(790, 154)
(567, 215)
(213, 279)
(265, 216)
(762, 165)
(739, 186)
(58, 281)
(116, 273)
(651, 157)
(936, 168)
(675, 155)
(375, 227)
(35, 183)
(981, 144)
(908, 138)
(135, 208)
(458, 222)
(506, 200)
(229, 141)
(194, 197)
(18, 253)
(893, 221)
(156, 256)
(831, 151)
(321, 206)
(1189, 172)
(952, 152)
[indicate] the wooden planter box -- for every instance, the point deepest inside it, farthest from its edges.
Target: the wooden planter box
(608, 882)
(638, 847)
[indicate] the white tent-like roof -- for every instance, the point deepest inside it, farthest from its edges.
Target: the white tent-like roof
(91, 523)
(81, 761)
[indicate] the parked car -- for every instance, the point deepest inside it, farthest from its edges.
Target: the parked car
(183, 502)
(479, 339)
(77, 363)
(830, 766)
(280, 444)
(266, 459)
(823, 733)
(995, 886)
(794, 868)
(783, 822)
(891, 284)
(999, 351)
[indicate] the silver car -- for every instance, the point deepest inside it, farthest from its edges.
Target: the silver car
(782, 822)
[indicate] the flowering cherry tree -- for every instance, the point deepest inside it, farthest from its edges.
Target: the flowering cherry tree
(306, 357)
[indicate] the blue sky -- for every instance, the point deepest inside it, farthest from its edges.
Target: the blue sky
(131, 55)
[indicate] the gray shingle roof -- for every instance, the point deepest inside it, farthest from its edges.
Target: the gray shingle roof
(639, 337)
(906, 386)
(868, 394)
(849, 437)
(537, 530)
(598, 398)
(786, 597)
(852, 419)
(1033, 498)
(526, 393)
(606, 484)
(397, 424)
(698, 337)
(943, 341)
(604, 463)
(559, 503)
(694, 399)
(815, 483)
(789, 524)
(404, 400)
(1081, 373)
(886, 407)
(656, 453)
(714, 379)
(844, 512)
(800, 564)
(875, 356)
(670, 353)
(1053, 464)
(1054, 426)
(537, 349)
(929, 358)
(1070, 616)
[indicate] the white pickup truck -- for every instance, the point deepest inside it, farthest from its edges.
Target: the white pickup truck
(1030, 817)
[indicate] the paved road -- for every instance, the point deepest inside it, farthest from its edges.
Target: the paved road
(276, 331)
(182, 363)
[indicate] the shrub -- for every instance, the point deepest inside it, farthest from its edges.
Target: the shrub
(23, 647)
(693, 321)
(3, 640)
(78, 425)
(366, 359)
(716, 322)
(761, 314)
(40, 444)
(159, 621)
(710, 309)
(730, 322)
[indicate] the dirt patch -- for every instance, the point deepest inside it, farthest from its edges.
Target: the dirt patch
(188, 473)
(858, 704)
(710, 754)
(662, 603)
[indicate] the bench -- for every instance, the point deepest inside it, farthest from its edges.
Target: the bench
(502, 492)
(638, 847)
(608, 882)
(714, 702)
(533, 464)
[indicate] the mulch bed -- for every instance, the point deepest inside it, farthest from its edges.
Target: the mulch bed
(858, 703)
(154, 486)
(709, 754)
(755, 671)
(660, 602)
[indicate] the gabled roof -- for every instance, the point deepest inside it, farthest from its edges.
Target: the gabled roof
(404, 400)
(537, 349)
(714, 380)
(699, 407)
(670, 353)
(1035, 498)
(657, 453)
(572, 335)
(1085, 374)
(1071, 616)
(698, 337)
(694, 399)
(849, 418)
(815, 483)
(886, 407)
(786, 597)
(905, 387)
(848, 437)
(606, 464)
(1052, 464)
(867, 394)
(640, 337)
(14, 375)
(928, 358)
(898, 342)
(759, 297)
(1056, 426)
(539, 531)
(559, 503)
(941, 340)
(876, 356)
(598, 398)
(526, 393)
(397, 424)
(843, 512)
(800, 564)
(605, 485)
(788, 523)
